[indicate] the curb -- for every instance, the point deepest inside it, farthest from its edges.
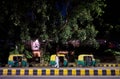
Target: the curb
(108, 65)
(60, 72)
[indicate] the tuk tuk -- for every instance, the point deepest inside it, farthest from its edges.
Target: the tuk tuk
(17, 60)
(62, 60)
(86, 60)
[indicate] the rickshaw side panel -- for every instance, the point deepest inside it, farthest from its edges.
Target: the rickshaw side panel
(52, 60)
(82, 61)
(12, 63)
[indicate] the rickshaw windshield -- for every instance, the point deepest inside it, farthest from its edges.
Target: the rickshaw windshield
(17, 58)
(87, 58)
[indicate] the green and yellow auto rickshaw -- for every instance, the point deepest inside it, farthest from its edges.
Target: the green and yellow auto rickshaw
(62, 60)
(17, 60)
(85, 60)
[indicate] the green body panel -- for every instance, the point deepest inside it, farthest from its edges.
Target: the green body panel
(82, 63)
(24, 63)
(93, 63)
(52, 62)
(65, 63)
(15, 64)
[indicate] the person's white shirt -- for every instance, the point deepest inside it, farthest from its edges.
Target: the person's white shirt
(57, 62)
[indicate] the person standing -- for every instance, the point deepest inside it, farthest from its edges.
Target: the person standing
(57, 61)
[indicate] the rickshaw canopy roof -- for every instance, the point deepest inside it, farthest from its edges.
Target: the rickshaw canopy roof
(52, 58)
(81, 56)
(13, 55)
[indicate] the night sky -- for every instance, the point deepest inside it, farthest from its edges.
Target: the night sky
(112, 12)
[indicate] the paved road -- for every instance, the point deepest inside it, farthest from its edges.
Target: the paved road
(60, 77)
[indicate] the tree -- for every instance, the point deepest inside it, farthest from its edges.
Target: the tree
(61, 20)
(81, 19)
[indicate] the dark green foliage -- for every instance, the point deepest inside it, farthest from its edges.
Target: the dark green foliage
(25, 20)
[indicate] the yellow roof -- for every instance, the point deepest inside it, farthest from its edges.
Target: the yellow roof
(61, 55)
(81, 56)
(12, 55)
(52, 58)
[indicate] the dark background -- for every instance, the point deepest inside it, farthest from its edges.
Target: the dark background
(112, 12)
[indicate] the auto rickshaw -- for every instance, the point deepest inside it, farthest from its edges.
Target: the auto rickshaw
(62, 60)
(86, 60)
(17, 60)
